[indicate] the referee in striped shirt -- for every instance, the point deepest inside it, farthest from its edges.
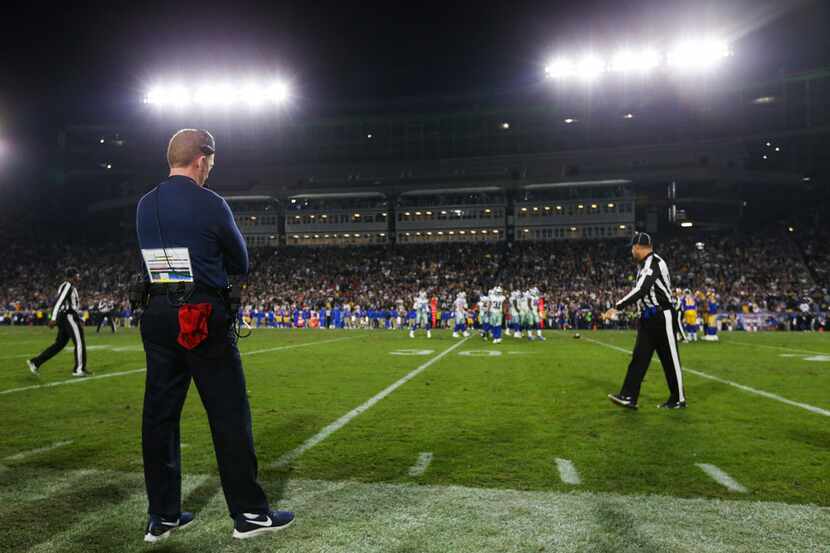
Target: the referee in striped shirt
(70, 326)
(656, 331)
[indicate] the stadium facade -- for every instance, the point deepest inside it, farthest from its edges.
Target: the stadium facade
(545, 164)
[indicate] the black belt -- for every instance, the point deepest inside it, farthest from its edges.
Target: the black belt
(185, 288)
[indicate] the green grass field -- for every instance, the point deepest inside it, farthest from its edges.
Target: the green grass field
(384, 443)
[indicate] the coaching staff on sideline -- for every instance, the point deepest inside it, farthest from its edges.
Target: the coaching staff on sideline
(187, 333)
(656, 331)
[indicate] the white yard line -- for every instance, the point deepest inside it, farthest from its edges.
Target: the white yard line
(345, 419)
(280, 348)
(413, 516)
(748, 389)
(76, 380)
(20, 356)
(73, 380)
(568, 472)
(420, 466)
(23, 454)
(748, 344)
(722, 478)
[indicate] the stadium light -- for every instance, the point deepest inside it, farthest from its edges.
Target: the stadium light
(589, 68)
(560, 68)
(688, 55)
(687, 224)
(631, 61)
(250, 93)
(697, 54)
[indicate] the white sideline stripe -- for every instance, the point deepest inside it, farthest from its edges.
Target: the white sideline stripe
(73, 380)
(722, 478)
(279, 348)
(420, 466)
(568, 472)
(739, 343)
(76, 380)
(24, 454)
(345, 419)
(762, 393)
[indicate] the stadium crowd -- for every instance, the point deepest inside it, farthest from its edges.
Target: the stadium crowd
(579, 279)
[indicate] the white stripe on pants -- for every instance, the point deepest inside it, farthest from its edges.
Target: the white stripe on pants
(79, 343)
(673, 348)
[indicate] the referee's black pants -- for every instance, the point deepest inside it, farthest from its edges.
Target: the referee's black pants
(216, 368)
(656, 332)
(110, 319)
(70, 327)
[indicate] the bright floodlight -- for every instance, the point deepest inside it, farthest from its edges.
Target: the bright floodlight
(178, 96)
(634, 61)
(589, 68)
(250, 93)
(698, 54)
(154, 96)
(560, 68)
(278, 92)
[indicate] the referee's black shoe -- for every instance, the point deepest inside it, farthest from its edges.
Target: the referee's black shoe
(670, 404)
(623, 401)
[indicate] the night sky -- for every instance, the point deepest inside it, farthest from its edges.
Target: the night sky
(93, 63)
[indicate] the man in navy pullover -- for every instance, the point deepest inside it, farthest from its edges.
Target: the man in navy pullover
(190, 244)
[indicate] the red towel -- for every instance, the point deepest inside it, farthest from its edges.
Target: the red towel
(193, 324)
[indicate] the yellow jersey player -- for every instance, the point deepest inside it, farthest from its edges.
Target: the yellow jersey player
(688, 306)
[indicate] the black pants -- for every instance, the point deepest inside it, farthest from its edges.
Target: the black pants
(109, 318)
(656, 333)
(70, 327)
(216, 368)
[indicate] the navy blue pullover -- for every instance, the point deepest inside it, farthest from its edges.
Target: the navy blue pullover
(198, 219)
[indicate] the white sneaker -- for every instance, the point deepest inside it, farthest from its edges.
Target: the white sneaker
(411, 333)
(455, 334)
(497, 341)
(32, 367)
(80, 374)
(429, 334)
(517, 334)
(466, 334)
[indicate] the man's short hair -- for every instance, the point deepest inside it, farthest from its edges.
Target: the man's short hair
(188, 144)
(72, 272)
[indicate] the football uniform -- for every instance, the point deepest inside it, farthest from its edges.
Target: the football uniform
(423, 315)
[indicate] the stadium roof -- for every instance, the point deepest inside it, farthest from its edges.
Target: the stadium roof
(427, 192)
(248, 198)
(569, 184)
(335, 195)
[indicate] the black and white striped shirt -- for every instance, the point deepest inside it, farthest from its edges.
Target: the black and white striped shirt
(653, 287)
(67, 300)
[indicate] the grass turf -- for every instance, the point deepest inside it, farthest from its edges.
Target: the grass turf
(491, 420)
